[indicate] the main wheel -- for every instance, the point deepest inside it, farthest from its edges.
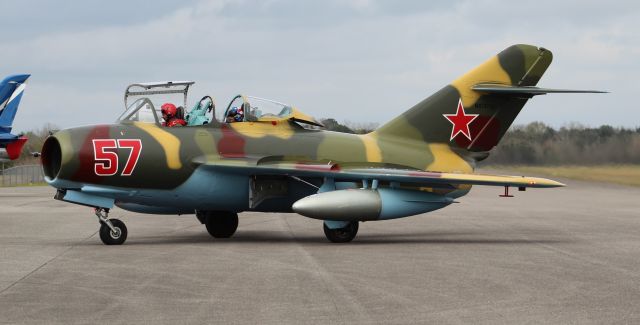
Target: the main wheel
(116, 237)
(202, 217)
(221, 224)
(342, 235)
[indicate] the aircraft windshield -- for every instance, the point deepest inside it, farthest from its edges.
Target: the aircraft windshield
(261, 107)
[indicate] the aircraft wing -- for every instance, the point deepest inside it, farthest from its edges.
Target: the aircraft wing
(360, 173)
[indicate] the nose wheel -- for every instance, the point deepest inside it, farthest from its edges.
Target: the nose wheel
(112, 231)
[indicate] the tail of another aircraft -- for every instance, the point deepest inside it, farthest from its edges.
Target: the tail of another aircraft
(11, 89)
(473, 112)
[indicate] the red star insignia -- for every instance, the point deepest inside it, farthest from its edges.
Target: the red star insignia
(460, 121)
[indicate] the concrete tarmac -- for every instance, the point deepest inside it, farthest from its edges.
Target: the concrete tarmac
(568, 255)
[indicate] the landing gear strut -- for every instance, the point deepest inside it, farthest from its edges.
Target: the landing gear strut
(112, 231)
(341, 235)
(220, 224)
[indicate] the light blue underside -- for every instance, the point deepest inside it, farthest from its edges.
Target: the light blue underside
(78, 197)
(210, 190)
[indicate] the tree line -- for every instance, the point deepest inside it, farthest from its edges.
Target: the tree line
(539, 144)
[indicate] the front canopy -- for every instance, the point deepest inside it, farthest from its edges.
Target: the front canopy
(255, 109)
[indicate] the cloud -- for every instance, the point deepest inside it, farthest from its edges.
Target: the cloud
(354, 60)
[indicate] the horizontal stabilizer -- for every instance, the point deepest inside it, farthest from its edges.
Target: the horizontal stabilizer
(528, 91)
(14, 148)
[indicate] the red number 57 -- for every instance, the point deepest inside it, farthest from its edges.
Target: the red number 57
(106, 159)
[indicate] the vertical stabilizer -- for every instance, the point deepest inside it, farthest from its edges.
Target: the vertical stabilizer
(469, 120)
(11, 90)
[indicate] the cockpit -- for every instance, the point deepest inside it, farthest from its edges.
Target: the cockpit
(147, 103)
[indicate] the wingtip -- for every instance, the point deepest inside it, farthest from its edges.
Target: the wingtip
(544, 182)
(552, 183)
(558, 184)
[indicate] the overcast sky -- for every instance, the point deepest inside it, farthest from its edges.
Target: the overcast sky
(357, 60)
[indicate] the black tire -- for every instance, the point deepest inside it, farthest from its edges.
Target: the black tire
(342, 235)
(221, 224)
(110, 238)
(202, 217)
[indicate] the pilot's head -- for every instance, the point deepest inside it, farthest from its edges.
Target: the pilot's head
(168, 111)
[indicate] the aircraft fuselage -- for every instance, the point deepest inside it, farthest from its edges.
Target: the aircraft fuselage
(153, 169)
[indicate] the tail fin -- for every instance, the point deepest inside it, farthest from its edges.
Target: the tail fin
(11, 89)
(469, 119)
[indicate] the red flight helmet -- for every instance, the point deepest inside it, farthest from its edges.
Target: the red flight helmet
(168, 110)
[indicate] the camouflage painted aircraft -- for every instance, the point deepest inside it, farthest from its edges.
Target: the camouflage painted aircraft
(419, 162)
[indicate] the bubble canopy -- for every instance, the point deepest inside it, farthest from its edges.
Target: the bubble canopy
(142, 102)
(257, 109)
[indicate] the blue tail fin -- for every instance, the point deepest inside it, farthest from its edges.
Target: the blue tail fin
(11, 89)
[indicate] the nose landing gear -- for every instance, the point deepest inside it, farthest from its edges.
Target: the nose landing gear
(112, 231)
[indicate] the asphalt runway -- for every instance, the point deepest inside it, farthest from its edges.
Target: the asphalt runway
(569, 255)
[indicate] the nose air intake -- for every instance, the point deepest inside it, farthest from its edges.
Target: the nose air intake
(51, 158)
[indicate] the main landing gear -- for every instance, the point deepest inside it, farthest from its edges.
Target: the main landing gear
(344, 233)
(112, 231)
(220, 224)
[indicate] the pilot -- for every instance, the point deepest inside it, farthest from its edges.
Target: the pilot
(169, 112)
(235, 115)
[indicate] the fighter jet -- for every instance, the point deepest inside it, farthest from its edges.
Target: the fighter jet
(11, 90)
(266, 156)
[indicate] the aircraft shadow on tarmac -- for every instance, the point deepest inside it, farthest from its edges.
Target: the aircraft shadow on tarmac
(279, 238)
